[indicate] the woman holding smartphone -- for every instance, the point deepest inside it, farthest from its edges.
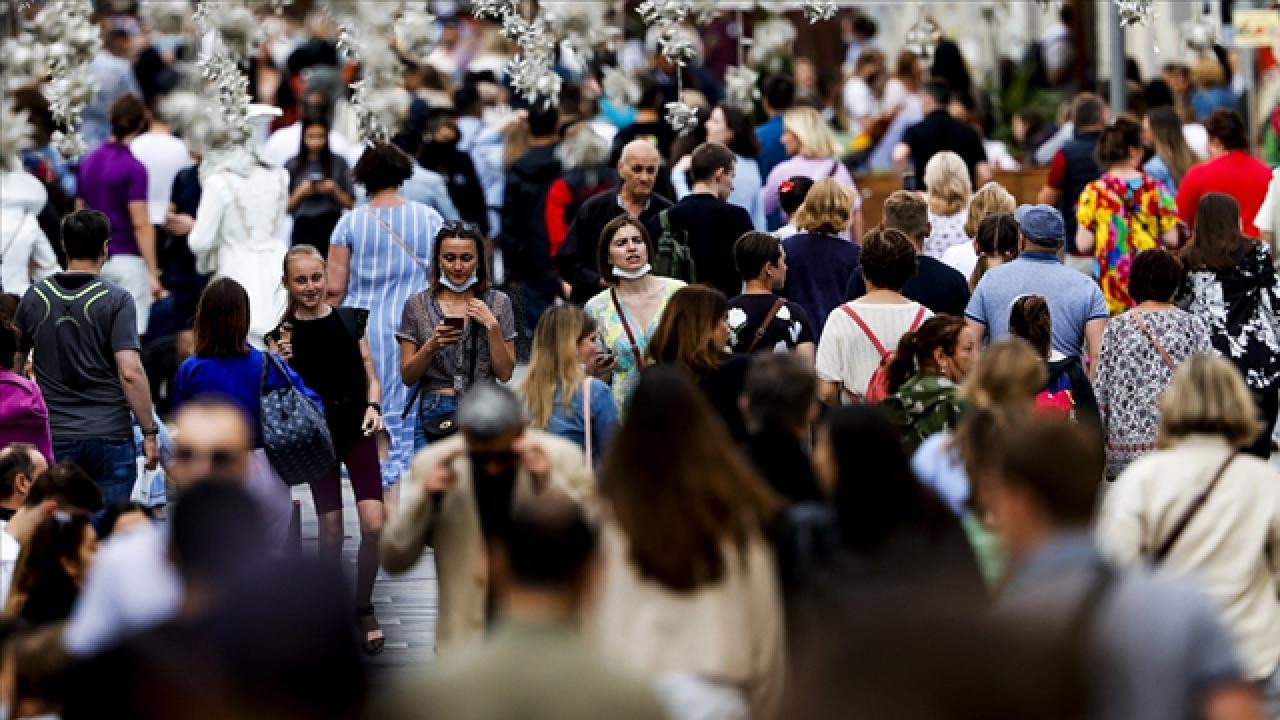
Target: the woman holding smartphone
(455, 333)
(319, 187)
(328, 349)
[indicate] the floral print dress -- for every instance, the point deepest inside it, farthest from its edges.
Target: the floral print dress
(614, 336)
(1240, 306)
(1126, 216)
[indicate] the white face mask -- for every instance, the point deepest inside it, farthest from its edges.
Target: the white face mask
(445, 281)
(633, 274)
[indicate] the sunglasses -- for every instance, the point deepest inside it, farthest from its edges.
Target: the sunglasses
(456, 228)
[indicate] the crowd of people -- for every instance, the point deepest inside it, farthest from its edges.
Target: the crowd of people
(683, 435)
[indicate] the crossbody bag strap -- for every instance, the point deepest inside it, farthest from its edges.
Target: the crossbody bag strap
(586, 417)
(626, 326)
(875, 341)
(1158, 557)
(399, 240)
(918, 320)
(1164, 354)
(764, 326)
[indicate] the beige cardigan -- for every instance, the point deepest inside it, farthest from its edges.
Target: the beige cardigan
(1232, 546)
(461, 569)
(731, 632)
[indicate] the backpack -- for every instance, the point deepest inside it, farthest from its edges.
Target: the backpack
(673, 258)
(878, 386)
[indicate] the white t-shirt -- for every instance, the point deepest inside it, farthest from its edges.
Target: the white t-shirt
(1268, 217)
(1198, 138)
(163, 155)
(961, 257)
(859, 103)
(847, 356)
(9, 549)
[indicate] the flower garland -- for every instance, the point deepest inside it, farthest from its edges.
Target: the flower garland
(15, 135)
(72, 41)
(532, 72)
(366, 35)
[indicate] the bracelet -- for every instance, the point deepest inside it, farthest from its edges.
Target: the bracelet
(375, 405)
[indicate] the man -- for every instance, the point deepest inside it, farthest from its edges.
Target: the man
(163, 156)
(1075, 166)
(861, 31)
(935, 285)
(133, 585)
(576, 260)
(1230, 170)
(937, 132)
(1150, 645)
(760, 320)
(112, 181)
(85, 341)
(779, 402)
(458, 499)
(1076, 305)
(710, 224)
(20, 465)
(535, 663)
(111, 75)
(43, 490)
(526, 247)
(779, 93)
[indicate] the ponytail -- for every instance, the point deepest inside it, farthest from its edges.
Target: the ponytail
(914, 355)
(904, 364)
(1029, 319)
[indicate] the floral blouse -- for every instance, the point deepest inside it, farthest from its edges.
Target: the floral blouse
(609, 326)
(1132, 374)
(923, 406)
(1125, 217)
(1240, 307)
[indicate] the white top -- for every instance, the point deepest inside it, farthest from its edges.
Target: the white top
(947, 230)
(283, 145)
(1268, 217)
(962, 257)
(847, 356)
(1198, 138)
(9, 550)
(859, 103)
(22, 242)
(1224, 546)
(163, 155)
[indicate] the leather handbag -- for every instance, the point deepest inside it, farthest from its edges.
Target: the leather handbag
(294, 433)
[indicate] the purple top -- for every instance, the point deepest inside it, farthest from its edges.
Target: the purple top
(23, 416)
(814, 168)
(109, 179)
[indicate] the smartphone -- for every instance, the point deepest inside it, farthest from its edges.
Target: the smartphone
(454, 322)
(316, 177)
(606, 352)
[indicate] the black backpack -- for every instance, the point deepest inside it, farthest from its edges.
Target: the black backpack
(673, 258)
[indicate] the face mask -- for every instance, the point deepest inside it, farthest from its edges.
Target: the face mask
(633, 274)
(445, 281)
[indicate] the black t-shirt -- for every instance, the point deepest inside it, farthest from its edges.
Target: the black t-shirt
(789, 327)
(723, 388)
(327, 358)
(936, 285)
(937, 132)
(712, 226)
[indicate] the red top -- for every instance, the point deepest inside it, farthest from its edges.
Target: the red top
(1057, 171)
(1237, 174)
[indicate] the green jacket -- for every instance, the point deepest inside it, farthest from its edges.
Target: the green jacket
(924, 405)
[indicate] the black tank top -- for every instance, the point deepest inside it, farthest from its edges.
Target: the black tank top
(327, 358)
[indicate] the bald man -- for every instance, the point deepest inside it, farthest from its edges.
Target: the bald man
(638, 168)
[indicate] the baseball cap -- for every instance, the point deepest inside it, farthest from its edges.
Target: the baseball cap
(1042, 224)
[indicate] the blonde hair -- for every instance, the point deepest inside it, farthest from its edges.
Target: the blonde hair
(1009, 373)
(816, 139)
(827, 208)
(1208, 73)
(991, 199)
(1207, 396)
(297, 251)
(947, 178)
(553, 362)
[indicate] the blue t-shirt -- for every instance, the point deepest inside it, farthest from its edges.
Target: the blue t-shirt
(570, 426)
(236, 379)
(772, 152)
(1073, 297)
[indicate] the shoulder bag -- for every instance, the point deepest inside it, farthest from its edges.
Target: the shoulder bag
(764, 326)
(294, 433)
(1162, 552)
(399, 241)
(626, 326)
(1164, 354)
(444, 426)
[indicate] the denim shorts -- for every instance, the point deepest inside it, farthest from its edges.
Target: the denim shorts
(431, 406)
(111, 462)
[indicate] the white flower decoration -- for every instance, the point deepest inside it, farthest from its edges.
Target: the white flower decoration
(737, 319)
(795, 333)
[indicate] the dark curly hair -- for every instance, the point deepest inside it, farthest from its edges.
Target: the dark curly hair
(382, 166)
(888, 258)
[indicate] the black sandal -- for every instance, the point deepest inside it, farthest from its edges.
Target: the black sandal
(373, 643)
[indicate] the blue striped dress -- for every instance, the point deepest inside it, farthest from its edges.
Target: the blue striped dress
(381, 278)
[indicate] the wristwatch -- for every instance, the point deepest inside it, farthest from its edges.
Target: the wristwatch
(153, 432)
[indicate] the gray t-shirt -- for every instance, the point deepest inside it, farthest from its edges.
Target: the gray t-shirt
(76, 322)
(451, 367)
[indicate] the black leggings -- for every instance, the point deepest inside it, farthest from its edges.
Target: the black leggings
(1268, 402)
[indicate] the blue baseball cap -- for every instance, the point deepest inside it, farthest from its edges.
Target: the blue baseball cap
(1042, 224)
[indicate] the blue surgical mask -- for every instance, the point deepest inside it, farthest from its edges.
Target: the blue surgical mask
(445, 281)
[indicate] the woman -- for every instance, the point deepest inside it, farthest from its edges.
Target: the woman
(23, 415)
(319, 187)
(327, 347)
(693, 333)
(377, 259)
(947, 178)
(26, 255)
(1158, 513)
(814, 153)
(1000, 394)
(685, 564)
(564, 351)
(455, 333)
(1141, 350)
(441, 155)
(1173, 157)
(1212, 88)
(627, 314)
(1123, 212)
(819, 259)
(1231, 285)
(860, 335)
(991, 199)
(996, 242)
(226, 365)
(1068, 389)
(924, 376)
(731, 127)
(52, 567)
(863, 97)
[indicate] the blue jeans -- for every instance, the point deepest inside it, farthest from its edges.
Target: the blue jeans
(431, 406)
(111, 462)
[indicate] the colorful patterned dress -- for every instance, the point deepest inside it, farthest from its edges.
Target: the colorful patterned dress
(1126, 217)
(609, 326)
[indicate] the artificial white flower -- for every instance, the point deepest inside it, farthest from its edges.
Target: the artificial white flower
(737, 319)
(784, 313)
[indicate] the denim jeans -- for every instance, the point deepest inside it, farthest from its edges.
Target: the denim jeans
(111, 462)
(431, 406)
